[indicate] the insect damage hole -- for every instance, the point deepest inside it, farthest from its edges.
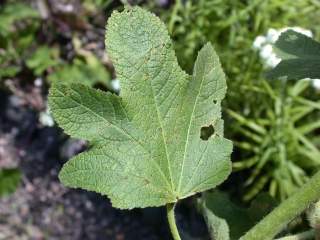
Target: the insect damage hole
(206, 132)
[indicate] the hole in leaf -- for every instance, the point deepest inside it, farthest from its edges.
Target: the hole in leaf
(215, 101)
(206, 132)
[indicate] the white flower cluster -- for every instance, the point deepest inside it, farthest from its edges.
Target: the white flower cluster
(263, 44)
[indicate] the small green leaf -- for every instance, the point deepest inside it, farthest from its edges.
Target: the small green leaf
(217, 226)
(8, 71)
(232, 221)
(300, 57)
(42, 59)
(9, 181)
(146, 144)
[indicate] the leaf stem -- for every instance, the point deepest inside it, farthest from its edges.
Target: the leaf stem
(275, 221)
(172, 221)
(301, 236)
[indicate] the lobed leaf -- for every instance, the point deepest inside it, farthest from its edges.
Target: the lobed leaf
(150, 145)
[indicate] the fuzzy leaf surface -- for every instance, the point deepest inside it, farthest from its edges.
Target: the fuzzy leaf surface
(300, 57)
(148, 145)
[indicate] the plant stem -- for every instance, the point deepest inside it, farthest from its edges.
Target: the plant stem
(172, 221)
(173, 16)
(301, 236)
(275, 221)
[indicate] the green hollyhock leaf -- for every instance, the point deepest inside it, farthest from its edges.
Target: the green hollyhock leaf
(162, 139)
(300, 57)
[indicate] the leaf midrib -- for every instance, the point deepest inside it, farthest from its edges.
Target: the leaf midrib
(189, 127)
(162, 134)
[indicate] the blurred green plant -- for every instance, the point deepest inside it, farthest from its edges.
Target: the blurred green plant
(81, 72)
(96, 5)
(9, 17)
(9, 181)
(278, 146)
(20, 49)
(16, 35)
(232, 26)
(42, 59)
(85, 68)
(279, 142)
